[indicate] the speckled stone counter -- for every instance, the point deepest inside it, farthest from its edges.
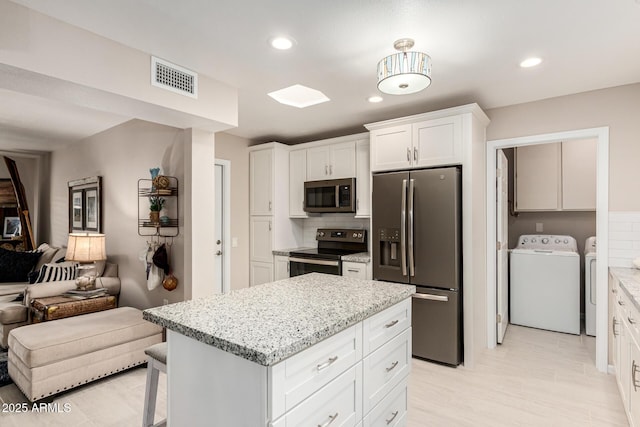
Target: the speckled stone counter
(286, 252)
(268, 323)
(629, 281)
(362, 257)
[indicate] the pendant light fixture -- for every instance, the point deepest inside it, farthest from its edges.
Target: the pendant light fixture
(405, 72)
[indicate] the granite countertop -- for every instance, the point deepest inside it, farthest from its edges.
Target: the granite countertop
(363, 257)
(268, 323)
(630, 282)
(286, 252)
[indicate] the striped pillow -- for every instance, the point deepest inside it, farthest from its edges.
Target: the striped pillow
(57, 271)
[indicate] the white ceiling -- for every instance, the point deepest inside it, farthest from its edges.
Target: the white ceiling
(475, 46)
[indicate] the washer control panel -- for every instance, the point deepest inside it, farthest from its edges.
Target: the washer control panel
(547, 242)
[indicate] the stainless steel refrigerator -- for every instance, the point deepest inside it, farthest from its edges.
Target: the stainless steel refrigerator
(416, 234)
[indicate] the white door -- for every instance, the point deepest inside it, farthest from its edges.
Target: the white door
(502, 256)
(222, 267)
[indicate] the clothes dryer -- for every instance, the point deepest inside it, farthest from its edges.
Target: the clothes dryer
(544, 285)
(590, 286)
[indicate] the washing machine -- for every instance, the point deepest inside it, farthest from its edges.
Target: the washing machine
(544, 283)
(590, 285)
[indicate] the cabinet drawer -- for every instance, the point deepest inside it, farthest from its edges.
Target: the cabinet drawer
(392, 411)
(299, 376)
(357, 270)
(385, 368)
(380, 328)
(338, 403)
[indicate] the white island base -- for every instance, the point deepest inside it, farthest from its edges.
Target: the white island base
(357, 377)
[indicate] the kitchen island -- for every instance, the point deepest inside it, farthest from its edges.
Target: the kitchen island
(316, 348)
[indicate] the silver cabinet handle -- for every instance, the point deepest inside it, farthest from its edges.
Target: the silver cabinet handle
(326, 364)
(631, 321)
(613, 326)
(634, 369)
(326, 169)
(408, 154)
(431, 297)
(403, 228)
(330, 169)
(393, 417)
(269, 225)
(351, 270)
(390, 324)
(269, 205)
(392, 367)
(288, 266)
(412, 263)
(415, 154)
(331, 419)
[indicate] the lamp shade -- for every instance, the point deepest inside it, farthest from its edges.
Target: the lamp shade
(404, 73)
(86, 247)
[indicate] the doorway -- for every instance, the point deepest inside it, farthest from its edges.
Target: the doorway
(602, 219)
(222, 267)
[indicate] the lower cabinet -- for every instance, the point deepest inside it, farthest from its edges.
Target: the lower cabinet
(282, 267)
(356, 270)
(261, 272)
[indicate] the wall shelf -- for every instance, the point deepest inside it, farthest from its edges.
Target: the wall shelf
(170, 226)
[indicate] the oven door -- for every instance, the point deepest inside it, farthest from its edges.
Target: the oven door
(299, 266)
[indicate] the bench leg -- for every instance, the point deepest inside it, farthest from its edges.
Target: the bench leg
(150, 393)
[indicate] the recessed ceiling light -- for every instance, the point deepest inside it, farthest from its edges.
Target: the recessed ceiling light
(530, 62)
(299, 96)
(374, 99)
(281, 43)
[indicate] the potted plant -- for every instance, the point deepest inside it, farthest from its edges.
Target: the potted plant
(155, 206)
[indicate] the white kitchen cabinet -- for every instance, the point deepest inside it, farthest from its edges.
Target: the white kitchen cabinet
(356, 270)
(332, 161)
(269, 224)
(261, 238)
(579, 174)
(363, 180)
(261, 182)
(282, 267)
(556, 176)
(297, 177)
(634, 386)
(260, 272)
(432, 139)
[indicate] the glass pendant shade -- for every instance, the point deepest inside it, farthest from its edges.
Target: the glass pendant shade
(404, 73)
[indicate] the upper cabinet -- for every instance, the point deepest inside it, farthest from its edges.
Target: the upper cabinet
(416, 143)
(363, 179)
(333, 161)
(297, 177)
(261, 182)
(556, 176)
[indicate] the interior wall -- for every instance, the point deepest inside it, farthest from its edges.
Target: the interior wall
(122, 155)
(234, 149)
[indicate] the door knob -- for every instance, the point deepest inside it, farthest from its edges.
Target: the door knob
(219, 253)
(218, 242)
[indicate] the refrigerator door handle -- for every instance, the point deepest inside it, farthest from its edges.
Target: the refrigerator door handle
(403, 229)
(412, 264)
(432, 297)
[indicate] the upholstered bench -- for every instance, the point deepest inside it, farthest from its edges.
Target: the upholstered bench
(51, 357)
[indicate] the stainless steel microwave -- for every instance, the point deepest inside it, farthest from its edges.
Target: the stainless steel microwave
(334, 195)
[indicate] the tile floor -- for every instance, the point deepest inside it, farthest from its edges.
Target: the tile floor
(537, 378)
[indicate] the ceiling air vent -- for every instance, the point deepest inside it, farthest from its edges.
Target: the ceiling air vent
(173, 77)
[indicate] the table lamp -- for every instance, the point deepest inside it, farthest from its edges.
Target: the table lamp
(86, 249)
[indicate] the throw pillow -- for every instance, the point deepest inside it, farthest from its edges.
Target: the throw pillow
(57, 271)
(15, 266)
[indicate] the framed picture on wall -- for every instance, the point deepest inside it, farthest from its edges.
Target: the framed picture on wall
(12, 227)
(85, 205)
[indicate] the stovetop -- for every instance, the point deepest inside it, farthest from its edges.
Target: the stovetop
(333, 243)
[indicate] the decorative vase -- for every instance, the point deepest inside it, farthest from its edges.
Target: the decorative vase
(154, 217)
(154, 173)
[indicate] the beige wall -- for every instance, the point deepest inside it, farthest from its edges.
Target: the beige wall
(618, 108)
(122, 155)
(234, 149)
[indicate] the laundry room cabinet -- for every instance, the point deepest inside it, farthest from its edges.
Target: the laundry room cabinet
(556, 176)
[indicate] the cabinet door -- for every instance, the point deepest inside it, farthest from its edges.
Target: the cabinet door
(282, 267)
(579, 174)
(343, 160)
(625, 362)
(634, 386)
(318, 163)
(437, 142)
(261, 181)
(391, 148)
(261, 272)
(537, 177)
(363, 180)
(297, 177)
(261, 238)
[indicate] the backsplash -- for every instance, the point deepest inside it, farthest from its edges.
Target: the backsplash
(624, 238)
(330, 221)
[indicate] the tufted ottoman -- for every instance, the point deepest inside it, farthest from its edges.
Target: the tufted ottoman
(48, 358)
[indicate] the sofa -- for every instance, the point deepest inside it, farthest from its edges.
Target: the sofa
(16, 311)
